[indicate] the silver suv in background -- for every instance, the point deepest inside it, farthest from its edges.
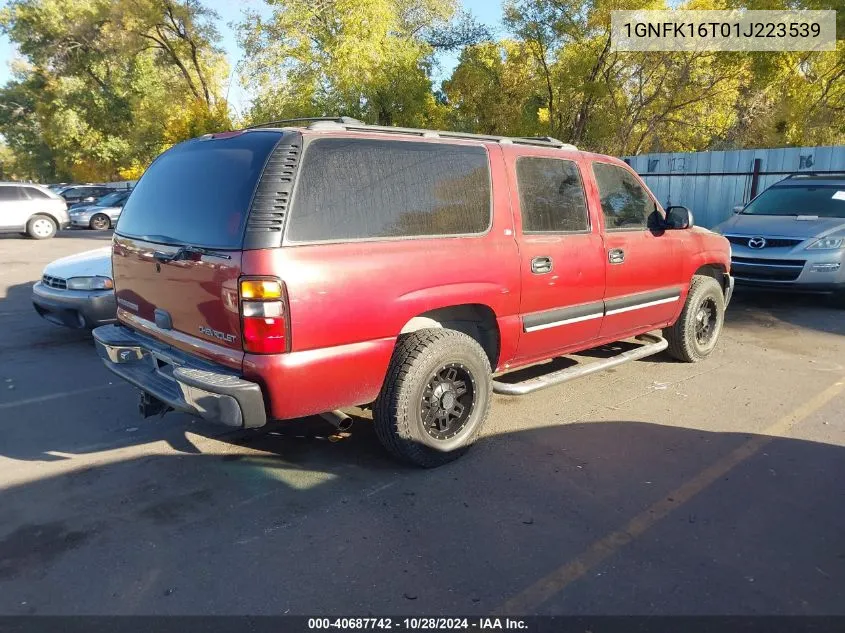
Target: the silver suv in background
(31, 210)
(791, 236)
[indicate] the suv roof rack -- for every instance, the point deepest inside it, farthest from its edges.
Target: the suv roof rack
(541, 141)
(816, 174)
(348, 123)
(304, 119)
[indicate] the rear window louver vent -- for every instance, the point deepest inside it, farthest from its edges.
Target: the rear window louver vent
(272, 197)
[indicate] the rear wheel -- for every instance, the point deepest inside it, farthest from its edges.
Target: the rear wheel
(41, 227)
(435, 397)
(100, 222)
(694, 335)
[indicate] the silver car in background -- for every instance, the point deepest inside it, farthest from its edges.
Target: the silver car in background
(31, 210)
(77, 291)
(791, 236)
(100, 215)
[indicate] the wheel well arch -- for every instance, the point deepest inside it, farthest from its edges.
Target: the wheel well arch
(473, 319)
(46, 214)
(716, 271)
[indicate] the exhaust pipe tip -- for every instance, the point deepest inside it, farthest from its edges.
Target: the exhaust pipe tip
(338, 419)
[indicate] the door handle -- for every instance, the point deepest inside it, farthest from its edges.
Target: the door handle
(616, 256)
(541, 265)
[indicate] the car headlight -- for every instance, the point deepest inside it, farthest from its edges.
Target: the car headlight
(826, 244)
(90, 283)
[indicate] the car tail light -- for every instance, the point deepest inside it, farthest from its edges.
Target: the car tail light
(264, 315)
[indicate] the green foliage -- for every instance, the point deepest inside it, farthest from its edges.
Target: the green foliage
(574, 87)
(371, 59)
(108, 84)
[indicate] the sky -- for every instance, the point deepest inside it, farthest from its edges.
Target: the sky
(487, 12)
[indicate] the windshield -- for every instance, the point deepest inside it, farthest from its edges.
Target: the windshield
(110, 199)
(825, 201)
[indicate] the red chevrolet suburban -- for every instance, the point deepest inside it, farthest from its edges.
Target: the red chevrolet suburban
(290, 270)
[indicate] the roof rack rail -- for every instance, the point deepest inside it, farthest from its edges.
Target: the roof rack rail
(541, 141)
(349, 123)
(335, 119)
(815, 174)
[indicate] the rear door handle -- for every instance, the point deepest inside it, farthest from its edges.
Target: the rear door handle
(616, 256)
(541, 265)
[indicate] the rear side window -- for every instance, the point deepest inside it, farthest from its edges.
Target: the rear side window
(368, 189)
(199, 192)
(35, 194)
(551, 195)
(624, 202)
(11, 193)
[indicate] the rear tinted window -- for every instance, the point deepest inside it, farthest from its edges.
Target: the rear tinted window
(35, 194)
(551, 195)
(365, 189)
(199, 192)
(11, 193)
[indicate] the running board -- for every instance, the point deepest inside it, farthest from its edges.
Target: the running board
(654, 344)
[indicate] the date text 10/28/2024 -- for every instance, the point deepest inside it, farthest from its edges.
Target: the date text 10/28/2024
(418, 624)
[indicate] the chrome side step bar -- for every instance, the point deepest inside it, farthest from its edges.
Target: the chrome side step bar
(653, 345)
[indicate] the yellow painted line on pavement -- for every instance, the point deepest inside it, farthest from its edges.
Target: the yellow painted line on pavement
(526, 601)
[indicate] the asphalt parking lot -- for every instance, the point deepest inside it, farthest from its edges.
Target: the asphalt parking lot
(654, 488)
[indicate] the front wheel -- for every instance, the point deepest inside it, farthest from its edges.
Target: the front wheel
(694, 335)
(100, 222)
(435, 397)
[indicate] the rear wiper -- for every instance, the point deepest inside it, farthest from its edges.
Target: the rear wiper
(188, 250)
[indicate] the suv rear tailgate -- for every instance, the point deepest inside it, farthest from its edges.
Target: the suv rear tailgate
(190, 302)
(178, 244)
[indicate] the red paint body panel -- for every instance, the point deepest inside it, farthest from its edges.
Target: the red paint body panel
(577, 278)
(348, 302)
(304, 383)
(198, 291)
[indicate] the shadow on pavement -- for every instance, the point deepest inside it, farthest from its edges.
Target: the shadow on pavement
(25, 329)
(290, 522)
(752, 307)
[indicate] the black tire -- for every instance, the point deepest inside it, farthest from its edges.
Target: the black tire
(694, 335)
(41, 227)
(100, 222)
(447, 359)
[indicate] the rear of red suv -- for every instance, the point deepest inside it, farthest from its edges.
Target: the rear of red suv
(188, 312)
(240, 305)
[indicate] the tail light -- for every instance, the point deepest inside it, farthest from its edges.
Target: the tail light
(264, 315)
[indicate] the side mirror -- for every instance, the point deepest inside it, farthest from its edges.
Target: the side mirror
(738, 209)
(678, 217)
(90, 199)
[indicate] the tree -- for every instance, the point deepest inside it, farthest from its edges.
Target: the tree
(630, 102)
(370, 59)
(496, 88)
(114, 82)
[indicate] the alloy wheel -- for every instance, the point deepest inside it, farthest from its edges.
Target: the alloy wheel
(448, 401)
(706, 322)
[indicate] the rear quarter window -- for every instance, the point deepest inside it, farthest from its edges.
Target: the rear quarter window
(358, 189)
(36, 194)
(199, 192)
